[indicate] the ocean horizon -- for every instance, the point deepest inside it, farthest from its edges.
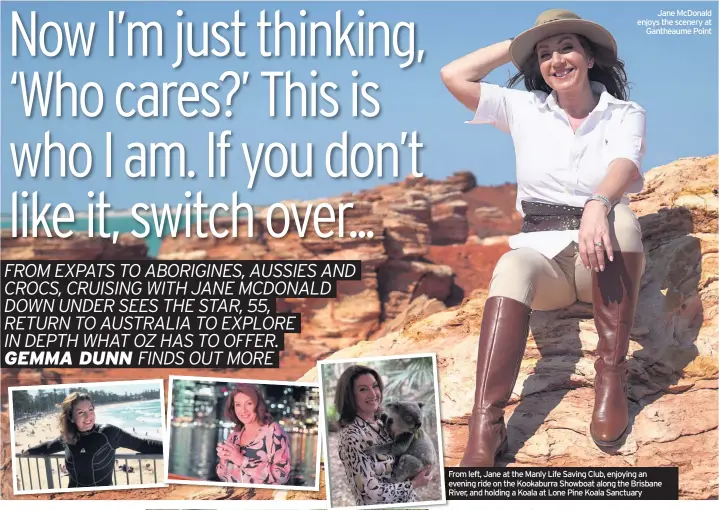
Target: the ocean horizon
(142, 418)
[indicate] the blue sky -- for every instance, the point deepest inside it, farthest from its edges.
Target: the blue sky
(673, 77)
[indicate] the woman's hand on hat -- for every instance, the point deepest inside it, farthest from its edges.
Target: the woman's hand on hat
(594, 239)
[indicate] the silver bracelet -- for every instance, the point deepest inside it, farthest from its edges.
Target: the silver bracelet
(602, 199)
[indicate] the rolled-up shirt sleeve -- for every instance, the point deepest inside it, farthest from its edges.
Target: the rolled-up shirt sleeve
(628, 141)
(493, 107)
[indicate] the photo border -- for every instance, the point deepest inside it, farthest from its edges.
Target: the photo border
(320, 429)
(11, 416)
(440, 446)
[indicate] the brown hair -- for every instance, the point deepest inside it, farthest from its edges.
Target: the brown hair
(68, 428)
(345, 403)
(263, 416)
(607, 70)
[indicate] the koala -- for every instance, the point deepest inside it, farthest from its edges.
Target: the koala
(411, 446)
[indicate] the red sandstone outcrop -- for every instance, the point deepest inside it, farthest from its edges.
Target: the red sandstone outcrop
(472, 266)
(673, 363)
(492, 210)
(407, 220)
(419, 226)
(674, 368)
(404, 279)
(77, 247)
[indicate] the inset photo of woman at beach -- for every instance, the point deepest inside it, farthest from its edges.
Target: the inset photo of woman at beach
(93, 436)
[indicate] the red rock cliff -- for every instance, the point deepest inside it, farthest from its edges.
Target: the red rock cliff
(419, 226)
(672, 355)
(415, 265)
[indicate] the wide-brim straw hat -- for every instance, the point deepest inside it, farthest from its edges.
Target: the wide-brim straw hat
(555, 22)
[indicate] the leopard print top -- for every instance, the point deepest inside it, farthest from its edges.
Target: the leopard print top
(370, 474)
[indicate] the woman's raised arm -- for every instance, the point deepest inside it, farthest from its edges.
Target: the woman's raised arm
(462, 76)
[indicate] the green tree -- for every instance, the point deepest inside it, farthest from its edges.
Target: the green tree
(22, 403)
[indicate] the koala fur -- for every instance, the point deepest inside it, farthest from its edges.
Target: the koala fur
(411, 446)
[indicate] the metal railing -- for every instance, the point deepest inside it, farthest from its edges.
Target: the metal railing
(25, 467)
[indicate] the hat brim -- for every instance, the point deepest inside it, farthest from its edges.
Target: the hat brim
(522, 46)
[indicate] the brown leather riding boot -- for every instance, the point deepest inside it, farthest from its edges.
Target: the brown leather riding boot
(502, 340)
(615, 291)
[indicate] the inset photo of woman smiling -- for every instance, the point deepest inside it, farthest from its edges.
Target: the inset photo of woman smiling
(244, 433)
(384, 437)
(87, 436)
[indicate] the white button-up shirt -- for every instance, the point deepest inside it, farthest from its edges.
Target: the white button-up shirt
(554, 164)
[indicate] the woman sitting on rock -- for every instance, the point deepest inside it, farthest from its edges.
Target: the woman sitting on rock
(357, 399)
(579, 145)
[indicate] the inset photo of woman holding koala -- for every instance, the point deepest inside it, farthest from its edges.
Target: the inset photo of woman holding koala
(383, 436)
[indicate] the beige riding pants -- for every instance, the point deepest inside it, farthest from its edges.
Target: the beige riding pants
(527, 276)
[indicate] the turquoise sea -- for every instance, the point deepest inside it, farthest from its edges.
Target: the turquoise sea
(122, 224)
(144, 416)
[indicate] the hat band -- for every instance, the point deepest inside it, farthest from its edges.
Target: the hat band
(558, 19)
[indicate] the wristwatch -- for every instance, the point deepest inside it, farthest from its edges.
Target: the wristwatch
(601, 198)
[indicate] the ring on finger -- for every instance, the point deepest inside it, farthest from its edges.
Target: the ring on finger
(599, 244)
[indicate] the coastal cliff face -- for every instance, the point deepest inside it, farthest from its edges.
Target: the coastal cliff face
(410, 267)
(77, 247)
(672, 355)
(419, 227)
(422, 293)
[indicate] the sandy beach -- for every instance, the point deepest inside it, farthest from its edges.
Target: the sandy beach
(35, 431)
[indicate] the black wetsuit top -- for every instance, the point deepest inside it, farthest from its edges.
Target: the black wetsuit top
(91, 461)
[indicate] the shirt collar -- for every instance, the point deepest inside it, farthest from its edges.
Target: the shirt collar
(605, 98)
